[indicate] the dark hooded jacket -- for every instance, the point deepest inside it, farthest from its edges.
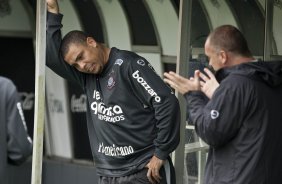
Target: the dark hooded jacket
(242, 123)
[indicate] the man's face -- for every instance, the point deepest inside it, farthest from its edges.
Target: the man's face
(215, 59)
(87, 58)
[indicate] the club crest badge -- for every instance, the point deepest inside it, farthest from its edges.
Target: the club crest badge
(111, 82)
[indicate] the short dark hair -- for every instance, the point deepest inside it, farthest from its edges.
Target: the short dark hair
(229, 38)
(73, 37)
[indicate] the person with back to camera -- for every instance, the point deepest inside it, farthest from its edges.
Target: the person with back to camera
(15, 144)
(133, 117)
(242, 119)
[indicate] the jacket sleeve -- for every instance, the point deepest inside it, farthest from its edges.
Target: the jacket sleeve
(160, 97)
(54, 60)
(219, 120)
(19, 144)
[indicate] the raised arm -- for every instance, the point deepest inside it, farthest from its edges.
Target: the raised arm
(54, 60)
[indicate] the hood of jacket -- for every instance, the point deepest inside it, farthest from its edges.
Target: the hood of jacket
(268, 72)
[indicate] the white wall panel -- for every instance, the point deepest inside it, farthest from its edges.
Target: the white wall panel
(18, 20)
(70, 19)
(277, 29)
(219, 13)
(116, 26)
(59, 121)
(155, 60)
(166, 21)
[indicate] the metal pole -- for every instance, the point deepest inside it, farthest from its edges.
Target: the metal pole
(183, 54)
(39, 92)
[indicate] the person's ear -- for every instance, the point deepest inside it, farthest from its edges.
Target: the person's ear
(223, 57)
(91, 42)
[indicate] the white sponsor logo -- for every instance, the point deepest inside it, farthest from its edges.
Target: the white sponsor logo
(19, 106)
(214, 114)
(78, 104)
(99, 107)
(27, 100)
(111, 114)
(118, 62)
(55, 105)
(146, 86)
(115, 151)
(141, 62)
(96, 95)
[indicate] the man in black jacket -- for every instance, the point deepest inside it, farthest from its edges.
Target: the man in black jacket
(133, 117)
(241, 121)
(15, 144)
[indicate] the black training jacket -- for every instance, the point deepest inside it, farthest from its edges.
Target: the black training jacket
(131, 114)
(242, 123)
(15, 144)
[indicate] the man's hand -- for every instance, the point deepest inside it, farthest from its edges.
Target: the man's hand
(209, 83)
(154, 167)
(181, 84)
(52, 6)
